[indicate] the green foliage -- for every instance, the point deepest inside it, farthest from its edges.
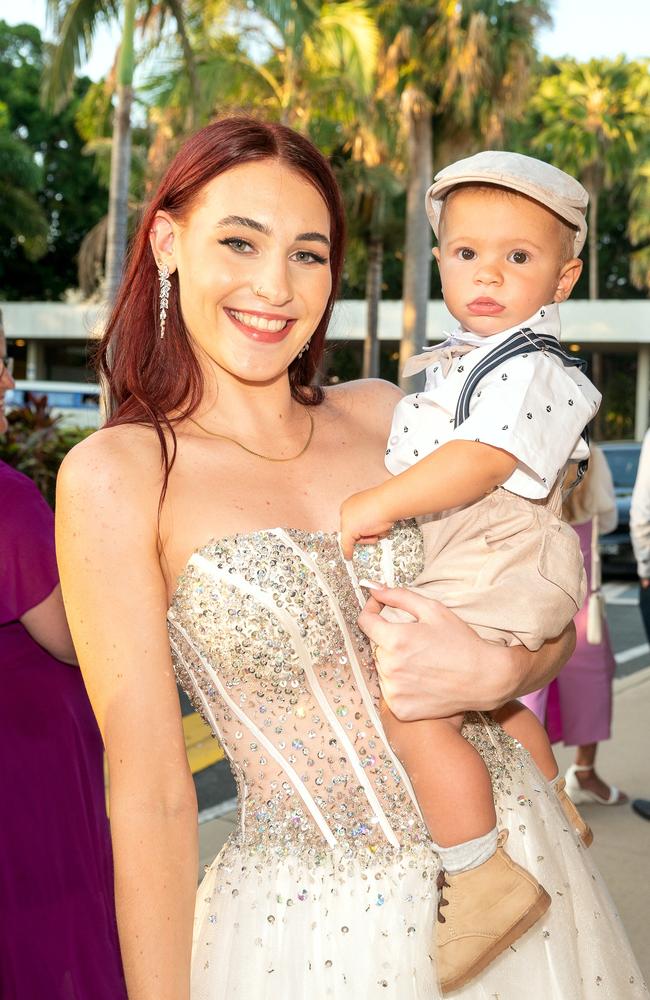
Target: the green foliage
(74, 26)
(20, 179)
(594, 117)
(54, 188)
(639, 227)
(284, 58)
(471, 59)
(36, 444)
(94, 123)
(333, 70)
(593, 120)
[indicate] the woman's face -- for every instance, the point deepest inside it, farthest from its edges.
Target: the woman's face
(253, 267)
(6, 382)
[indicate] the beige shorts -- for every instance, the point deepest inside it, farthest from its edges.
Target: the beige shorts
(507, 566)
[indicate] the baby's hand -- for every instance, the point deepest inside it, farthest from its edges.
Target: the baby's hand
(362, 521)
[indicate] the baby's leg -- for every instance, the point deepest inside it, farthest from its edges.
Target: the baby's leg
(450, 779)
(519, 722)
(486, 901)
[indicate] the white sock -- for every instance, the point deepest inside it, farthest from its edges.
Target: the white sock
(471, 854)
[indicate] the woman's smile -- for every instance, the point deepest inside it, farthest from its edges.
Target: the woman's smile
(254, 280)
(268, 328)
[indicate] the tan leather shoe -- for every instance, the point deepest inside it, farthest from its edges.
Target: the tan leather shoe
(574, 818)
(486, 910)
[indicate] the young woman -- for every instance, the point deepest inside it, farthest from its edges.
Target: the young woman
(203, 519)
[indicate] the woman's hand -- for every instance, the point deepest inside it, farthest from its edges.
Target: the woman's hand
(437, 666)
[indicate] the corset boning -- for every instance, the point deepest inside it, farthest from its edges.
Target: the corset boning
(264, 637)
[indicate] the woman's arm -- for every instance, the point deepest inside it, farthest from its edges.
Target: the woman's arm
(47, 625)
(438, 666)
(115, 600)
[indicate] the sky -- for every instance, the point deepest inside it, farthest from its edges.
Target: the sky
(583, 29)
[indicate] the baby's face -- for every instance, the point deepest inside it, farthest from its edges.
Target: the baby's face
(501, 259)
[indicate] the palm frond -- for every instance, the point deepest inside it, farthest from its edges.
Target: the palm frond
(24, 218)
(347, 39)
(74, 24)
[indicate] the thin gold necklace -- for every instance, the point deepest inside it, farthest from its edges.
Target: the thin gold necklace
(268, 458)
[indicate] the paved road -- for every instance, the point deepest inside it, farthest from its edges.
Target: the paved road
(625, 626)
(215, 786)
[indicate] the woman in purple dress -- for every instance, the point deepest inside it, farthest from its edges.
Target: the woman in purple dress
(58, 938)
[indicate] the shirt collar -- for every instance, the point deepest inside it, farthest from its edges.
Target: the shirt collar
(545, 321)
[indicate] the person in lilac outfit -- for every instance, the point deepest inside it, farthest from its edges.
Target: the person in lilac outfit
(58, 937)
(576, 707)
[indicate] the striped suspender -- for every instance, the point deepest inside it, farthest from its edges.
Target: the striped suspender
(520, 343)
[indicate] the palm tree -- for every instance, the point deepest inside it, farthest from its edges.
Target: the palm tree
(311, 65)
(20, 179)
(74, 26)
(288, 58)
(455, 59)
(594, 118)
(639, 227)
(371, 183)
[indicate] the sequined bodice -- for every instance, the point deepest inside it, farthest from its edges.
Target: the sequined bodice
(264, 637)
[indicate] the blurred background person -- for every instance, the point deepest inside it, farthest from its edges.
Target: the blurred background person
(58, 938)
(640, 530)
(577, 706)
(640, 534)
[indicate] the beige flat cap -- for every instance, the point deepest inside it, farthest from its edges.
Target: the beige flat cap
(541, 181)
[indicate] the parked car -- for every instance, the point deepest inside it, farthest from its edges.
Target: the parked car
(77, 403)
(616, 547)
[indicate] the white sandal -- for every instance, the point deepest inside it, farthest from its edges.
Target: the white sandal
(580, 795)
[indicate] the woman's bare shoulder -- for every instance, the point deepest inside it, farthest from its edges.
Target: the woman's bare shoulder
(125, 457)
(373, 397)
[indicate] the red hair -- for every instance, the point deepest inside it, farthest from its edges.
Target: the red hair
(148, 377)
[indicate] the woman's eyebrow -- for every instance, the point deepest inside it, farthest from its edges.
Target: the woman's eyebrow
(313, 237)
(241, 220)
(259, 227)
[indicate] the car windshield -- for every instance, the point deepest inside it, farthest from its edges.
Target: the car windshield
(623, 464)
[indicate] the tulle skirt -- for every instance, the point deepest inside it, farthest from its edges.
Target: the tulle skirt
(294, 930)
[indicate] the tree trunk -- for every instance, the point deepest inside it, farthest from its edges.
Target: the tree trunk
(593, 244)
(373, 297)
(596, 357)
(120, 159)
(416, 119)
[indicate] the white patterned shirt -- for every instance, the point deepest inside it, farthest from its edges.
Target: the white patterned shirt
(531, 405)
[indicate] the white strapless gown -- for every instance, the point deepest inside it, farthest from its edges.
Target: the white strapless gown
(327, 887)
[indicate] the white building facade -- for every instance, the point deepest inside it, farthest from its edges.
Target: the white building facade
(51, 339)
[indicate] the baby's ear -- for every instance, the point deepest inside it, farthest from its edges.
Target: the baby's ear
(568, 276)
(436, 253)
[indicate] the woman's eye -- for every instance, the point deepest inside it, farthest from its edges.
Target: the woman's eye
(237, 244)
(519, 257)
(466, 253)
(308, 257)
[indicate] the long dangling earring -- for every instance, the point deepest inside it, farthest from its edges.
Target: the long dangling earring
(303, 349)
(165, 285)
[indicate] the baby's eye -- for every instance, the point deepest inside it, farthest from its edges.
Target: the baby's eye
(519, 257)
(466, 253)
(237, 244)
